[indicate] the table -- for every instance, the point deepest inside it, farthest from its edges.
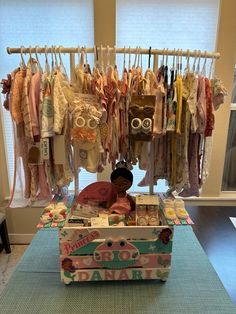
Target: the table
(192, 287)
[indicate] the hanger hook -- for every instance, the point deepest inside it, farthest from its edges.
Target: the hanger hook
(86, 57)
(187, 57)
(55, 54)
(177, 61)
(135, 57)
(204, 64)
(46, 53)
(78, 53)
(82, 52)
(173, 61)
(149, 56)
(181, 60)
(21, 54)
(61, 62)
(30, 49)
(96, 51)
(124, 59)
(211, 67)
(199, 59)
(163, 53)
(101, 58)
(167, 54)
(108, 56)
(138, 55)
(36, 53)
(195, 60)
(52, 56)
(114, 54)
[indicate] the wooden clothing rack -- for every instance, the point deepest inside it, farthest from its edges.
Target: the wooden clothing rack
(179, 53)
(165, 51)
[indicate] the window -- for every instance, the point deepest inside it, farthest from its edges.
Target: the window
(229, 176)
(186, 24)
(66, 23)
(182, 24)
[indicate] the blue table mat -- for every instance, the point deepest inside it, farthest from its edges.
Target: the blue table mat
(192, 287)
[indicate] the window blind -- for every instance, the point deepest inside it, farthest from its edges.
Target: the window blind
(68, 23)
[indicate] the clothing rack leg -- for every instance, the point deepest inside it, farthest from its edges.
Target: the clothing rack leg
(75, 148)
(76, 171)
(151, 168)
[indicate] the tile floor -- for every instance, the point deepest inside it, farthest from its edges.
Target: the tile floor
(217, 235)
(8, 263)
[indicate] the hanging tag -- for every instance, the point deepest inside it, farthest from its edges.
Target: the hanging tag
(34, 154)
(147, 200)
(59, 149)
(44, 148)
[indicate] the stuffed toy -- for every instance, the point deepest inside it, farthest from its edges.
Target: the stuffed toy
(54, 213)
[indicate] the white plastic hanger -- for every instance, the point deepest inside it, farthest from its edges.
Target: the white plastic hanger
(203, 73)
(114, 55)
(167, 55)
(173, 61)
(187, 68)
(37, 58)
(129, 65)
(78, 54)
(135, 58)
(163, 56)
(178, 61)
(212, 66)
(61, 61)
(124, 60)
(101, 59)
(30, 53)
(194, 61)
(60, 58)
(22, 64)
(199, 62)
(108, 56)
(55, 56)
(81, 62)
(181, 60)
(138, 57)
(47, 68)
(36, 54)
(86, 57)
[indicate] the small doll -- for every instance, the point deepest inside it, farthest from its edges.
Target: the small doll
(122, 180)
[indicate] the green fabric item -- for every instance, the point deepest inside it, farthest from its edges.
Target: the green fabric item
(192, 287)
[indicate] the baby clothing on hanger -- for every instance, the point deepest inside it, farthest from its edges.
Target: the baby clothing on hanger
(106, 118)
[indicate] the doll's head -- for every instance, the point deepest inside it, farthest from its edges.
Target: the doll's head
(122, 179)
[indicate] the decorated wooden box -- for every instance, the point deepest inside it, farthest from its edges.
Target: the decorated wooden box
(115, 253)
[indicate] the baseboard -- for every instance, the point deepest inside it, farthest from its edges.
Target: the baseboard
(20, 238)
(209, 201)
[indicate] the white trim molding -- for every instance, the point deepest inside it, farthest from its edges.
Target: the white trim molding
(20, 238)
(210, 201)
